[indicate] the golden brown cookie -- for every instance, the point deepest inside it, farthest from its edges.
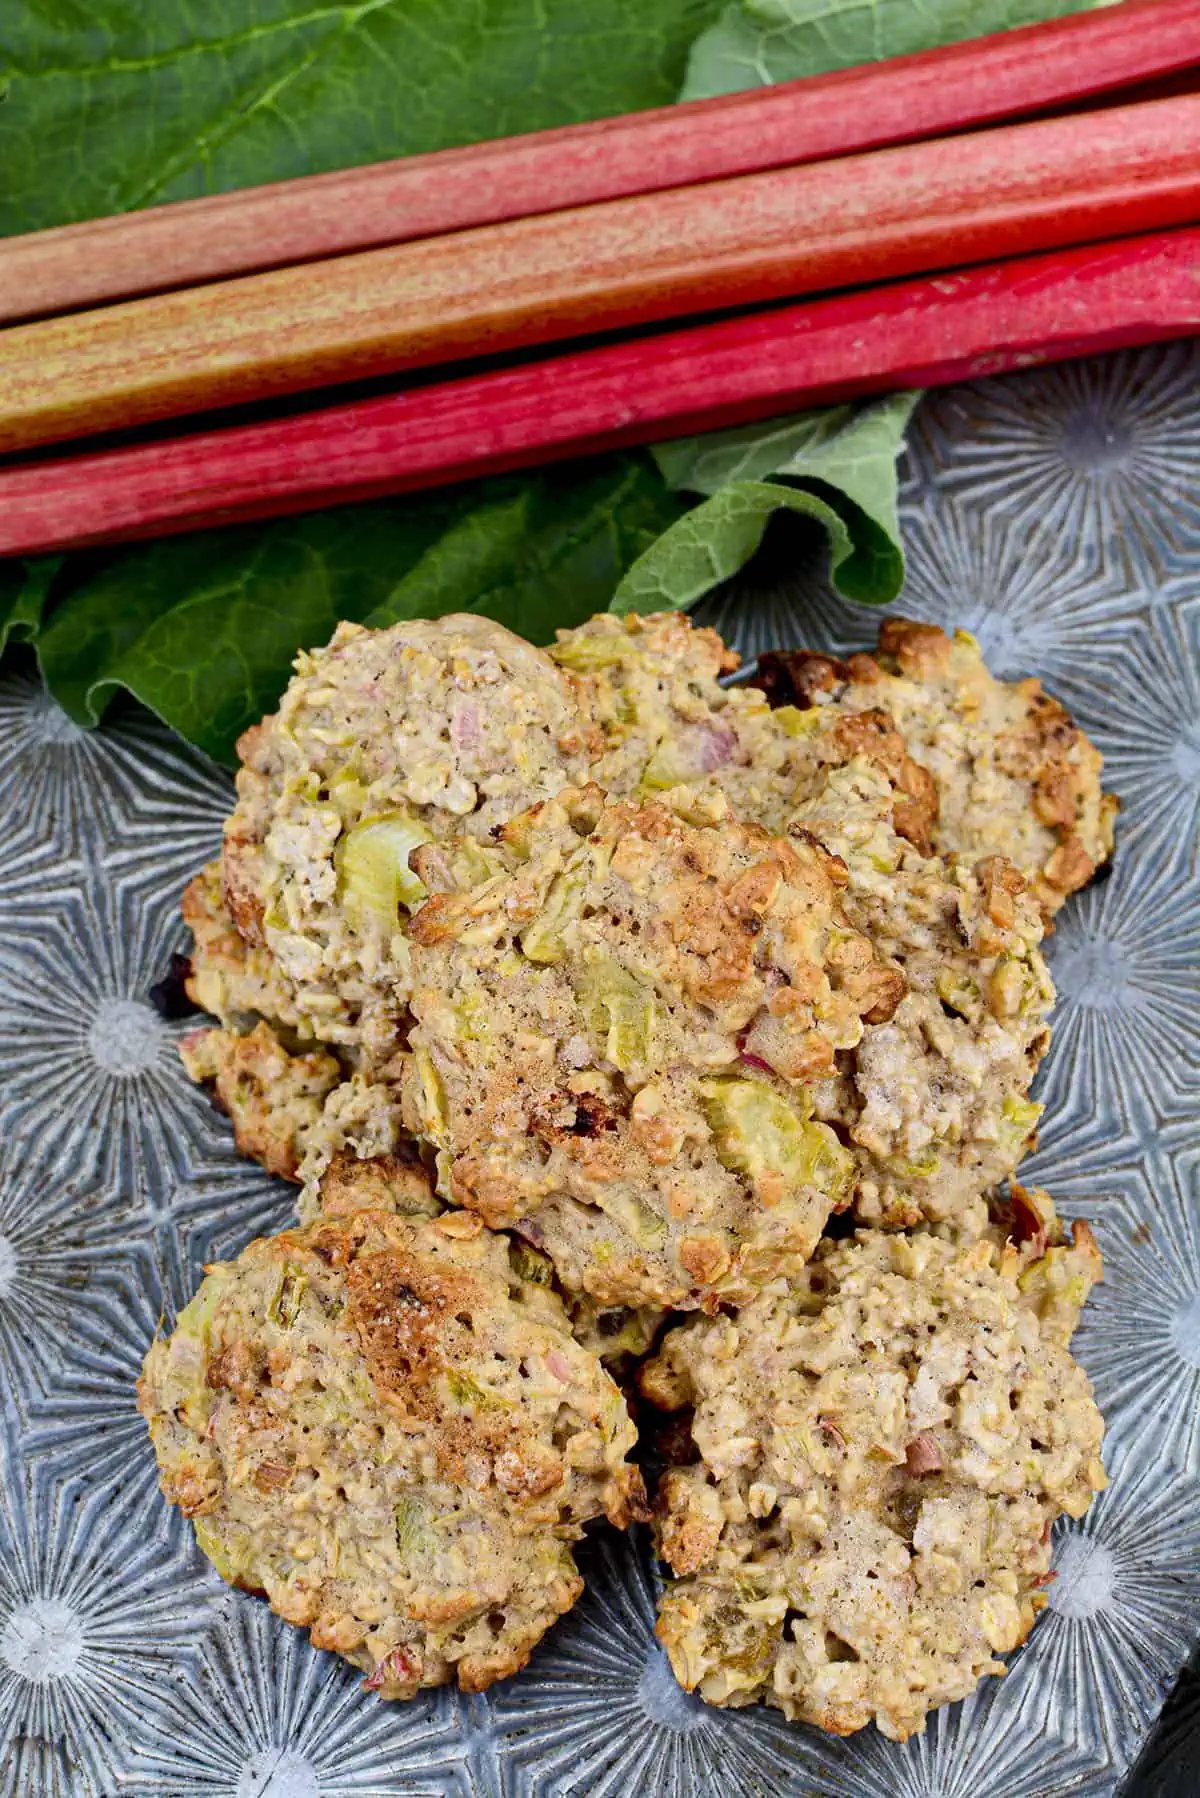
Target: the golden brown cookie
(882, 1445)
(933, 1101)
(384, 739)
(383, 1427)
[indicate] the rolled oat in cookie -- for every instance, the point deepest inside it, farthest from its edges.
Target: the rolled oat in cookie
(362, 1116)
(383, 740)
(933, 1100)
(882, 1445)
(1014, 774)
(617, 1039)
(383, 1427)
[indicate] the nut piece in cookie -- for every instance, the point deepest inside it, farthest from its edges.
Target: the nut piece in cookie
(616, 1043)
(384, 1428)
(883, 1445)
(1014, 775)
(933, 1101)
(384, 740)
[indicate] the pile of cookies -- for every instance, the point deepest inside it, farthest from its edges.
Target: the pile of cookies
(644, 1047)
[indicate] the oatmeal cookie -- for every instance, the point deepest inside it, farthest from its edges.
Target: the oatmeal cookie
(616, 1041)
(384, 739)
(381, 1426)
(882, 1444)
(1015, 776)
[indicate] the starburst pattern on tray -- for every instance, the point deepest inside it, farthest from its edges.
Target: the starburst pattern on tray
(85, 1421)
(52, 771)
(1122, 1611)
(998, 1740)
(1152, 748)
(266, 1715)
(81, 1305)
(1125, 957)
(1106, 450)
(170, 824)
(1035, 602)
(599, 1711)
(1140, 1337)
(1056, 514)
(83, 1052)
(94, 1615)
(68, 1254)
(61, 781)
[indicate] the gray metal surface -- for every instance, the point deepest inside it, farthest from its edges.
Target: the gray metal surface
(1058, 516)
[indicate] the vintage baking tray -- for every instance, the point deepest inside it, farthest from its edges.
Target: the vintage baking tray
(1057, 514)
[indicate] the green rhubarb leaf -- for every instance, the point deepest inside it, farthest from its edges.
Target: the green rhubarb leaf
(852, 448)
(757, 42)
(24, 587)
(709, 545)
(109, 105)
(837, 466)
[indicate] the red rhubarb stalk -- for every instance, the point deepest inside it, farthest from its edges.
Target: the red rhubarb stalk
(863, 219)
(1009, 75)
(917, 333)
